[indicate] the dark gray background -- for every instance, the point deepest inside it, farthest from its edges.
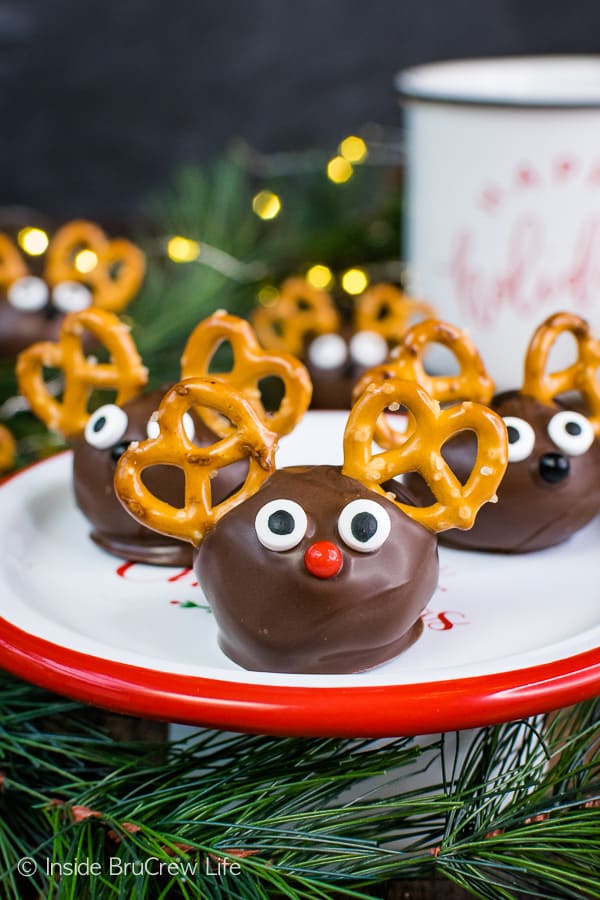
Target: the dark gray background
(100, 100)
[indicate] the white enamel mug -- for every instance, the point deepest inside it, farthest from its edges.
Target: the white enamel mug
(503, 197)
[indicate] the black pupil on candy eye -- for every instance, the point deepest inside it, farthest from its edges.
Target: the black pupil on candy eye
(117, 451)
(363, 526)
(513, 434)
(99, 424)
(573, 428)
(281, 522)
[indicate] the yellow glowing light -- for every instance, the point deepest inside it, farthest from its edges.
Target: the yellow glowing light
(266, 205)
(319, 276)
(353, 149)
(85, 261)
(354, 281)
(268, 295)
(182, 250)
(33, 241)
(339, 170)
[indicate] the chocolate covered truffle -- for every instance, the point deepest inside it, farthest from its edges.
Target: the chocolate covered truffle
(552, 484)
(336, 345)
(352, 610)
(336, 361)
(551, 488)
(108, 433)
(313, 569)
(76, 268)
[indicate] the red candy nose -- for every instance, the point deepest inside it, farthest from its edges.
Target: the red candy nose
(323, 559)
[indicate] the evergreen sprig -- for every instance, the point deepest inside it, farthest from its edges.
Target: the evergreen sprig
(515, 813)
(320, 222)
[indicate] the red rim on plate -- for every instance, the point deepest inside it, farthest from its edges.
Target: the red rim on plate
(423, 708)
(353, 711)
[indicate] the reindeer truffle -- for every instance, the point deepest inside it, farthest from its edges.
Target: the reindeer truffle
(326, 587)
(313, 569)
(552, 484)
(305, 321)
(108, 433)
(38, 293)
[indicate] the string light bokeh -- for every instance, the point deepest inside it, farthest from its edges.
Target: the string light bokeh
(33, 241)
(267, 205)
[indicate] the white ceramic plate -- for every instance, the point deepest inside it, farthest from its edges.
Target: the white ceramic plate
(504, 636)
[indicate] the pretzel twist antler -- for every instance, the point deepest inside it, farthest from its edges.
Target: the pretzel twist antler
(388, 311)
(8, 449)
(581, 376)
(124, 373)
(251, 440)
(117, 274)
(456, 504)
(12, 265)
(250, 364)
(471, 383)
(300, 310)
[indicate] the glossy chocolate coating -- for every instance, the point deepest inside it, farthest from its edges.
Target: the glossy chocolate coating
(273, 615)
(113, 528)
(531, 513)
(332, 388)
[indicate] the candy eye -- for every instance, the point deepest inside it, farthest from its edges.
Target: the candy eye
(28, 294)
(521, 438)
(71, 296)
(280, 525)
(571, 432)
(364, 525)
(328, 351)
(106, 426)
(153, 428)
(368, 348)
